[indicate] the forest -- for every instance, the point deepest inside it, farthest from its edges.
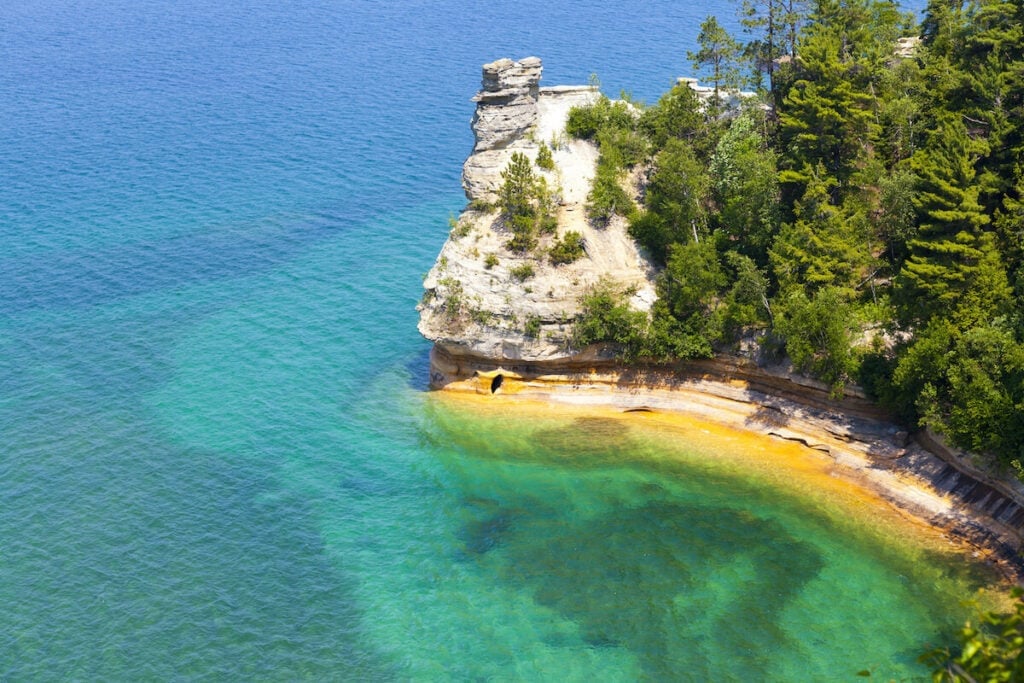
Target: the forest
(861, 214)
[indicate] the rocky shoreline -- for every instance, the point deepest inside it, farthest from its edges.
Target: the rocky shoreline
(915, 472)
(498, 335)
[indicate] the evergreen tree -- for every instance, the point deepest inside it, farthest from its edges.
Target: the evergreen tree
(820, 248)
(954, 269)
(718, 52)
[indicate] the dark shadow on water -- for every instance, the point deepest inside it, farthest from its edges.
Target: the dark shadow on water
(417, 368)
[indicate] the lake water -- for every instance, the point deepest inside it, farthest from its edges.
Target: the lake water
(218, 459)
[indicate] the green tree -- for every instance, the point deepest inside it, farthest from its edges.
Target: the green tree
(953, 269)
(746, 187)
(822, 247)
(819, 334)
(719, 52)
(517, 191)
(676, 115)
(677, 196)
(606, 316)
(991, 651)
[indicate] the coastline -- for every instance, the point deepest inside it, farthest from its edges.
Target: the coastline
(918, 476)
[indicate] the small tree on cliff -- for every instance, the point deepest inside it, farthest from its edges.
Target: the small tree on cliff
(516, 193)
(526, 203)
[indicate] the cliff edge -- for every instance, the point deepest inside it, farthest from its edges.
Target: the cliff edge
(487, 300)
(501, 321)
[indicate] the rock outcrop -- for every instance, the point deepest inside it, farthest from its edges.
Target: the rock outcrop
(479, 298)
(506, 103)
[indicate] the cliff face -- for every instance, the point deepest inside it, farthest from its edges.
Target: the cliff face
(497, 330)
(478, 300)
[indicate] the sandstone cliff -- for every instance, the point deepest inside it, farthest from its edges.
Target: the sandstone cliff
(477, 300)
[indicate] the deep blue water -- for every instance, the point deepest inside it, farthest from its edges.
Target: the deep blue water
(217, 459)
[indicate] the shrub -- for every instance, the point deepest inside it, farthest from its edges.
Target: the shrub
(532, 328)
(585, 122)
(544, 158)
(567, 249)
(522, 272)
(481, 206)
(490, 261)
(453, 302)
(606, 197)
(605, 316)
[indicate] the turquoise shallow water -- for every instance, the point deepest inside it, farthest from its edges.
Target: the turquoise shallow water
(217, 459)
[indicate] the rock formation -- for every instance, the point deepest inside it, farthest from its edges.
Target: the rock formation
(475, 302)
(497, 329)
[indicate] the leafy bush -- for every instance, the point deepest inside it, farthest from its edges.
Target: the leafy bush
(607, 317)
(606, 197)
(567, 249)
(585, 122)
(490, 261)
(522, 272)
(819, 334)
(544, 158)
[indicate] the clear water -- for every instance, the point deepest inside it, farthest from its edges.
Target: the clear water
(217, 457)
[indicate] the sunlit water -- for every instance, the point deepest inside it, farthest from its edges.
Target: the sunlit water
(217, 456)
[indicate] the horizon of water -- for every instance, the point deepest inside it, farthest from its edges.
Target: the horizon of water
(218, 456)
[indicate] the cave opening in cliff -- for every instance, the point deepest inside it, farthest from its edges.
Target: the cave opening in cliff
(496, 382)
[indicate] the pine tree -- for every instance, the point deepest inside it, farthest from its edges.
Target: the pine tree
(954, 268)
(820, 248)
(718, 51)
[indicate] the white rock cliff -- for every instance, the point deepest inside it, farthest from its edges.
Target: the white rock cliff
(473, 304)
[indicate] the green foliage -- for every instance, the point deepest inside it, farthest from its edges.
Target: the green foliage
(481, 206)
(606, 316)
(544, 158)
(746, 303)
(527, 204)
(818, 333)
(677, 115)
(606, 197)
(991, 651)
(822, 247)
(522, 272)
(719, 53)
(586, 121)
(490, 261)
(457, 229)
(622, 147)
(746, 186)
(677, 196)
(480, 316)
(568, 249)
(516, 194)
(454, 298)
(953, 269)
(532, 327)
(688, 292)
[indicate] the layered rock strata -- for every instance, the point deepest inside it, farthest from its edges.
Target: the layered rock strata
(499, 333)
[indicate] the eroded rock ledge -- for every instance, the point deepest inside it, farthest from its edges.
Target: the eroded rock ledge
(916, 472)
(499, 335)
